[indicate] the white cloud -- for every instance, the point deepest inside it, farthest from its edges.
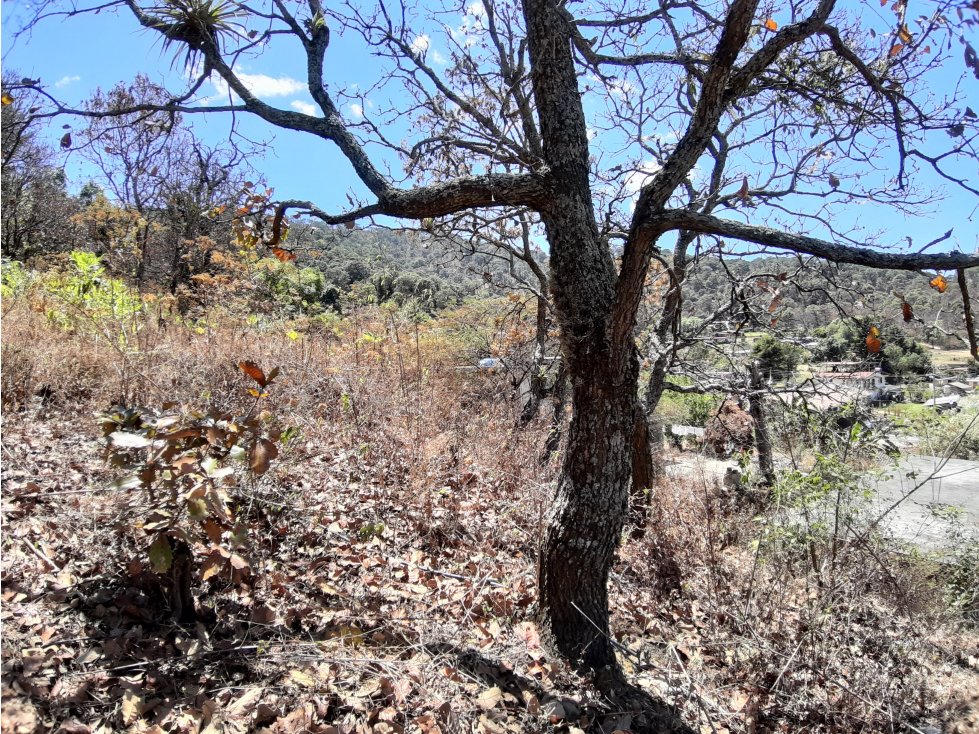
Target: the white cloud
(261, 85)
(66, 80)
(640, 175)
(421, 44)
(194, 71)
(267, 86)
(305, 107)
(439, 58)
(469, 30)
(356, 110)
(620, 88)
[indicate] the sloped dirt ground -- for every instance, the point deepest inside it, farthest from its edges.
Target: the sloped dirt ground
(392, 593)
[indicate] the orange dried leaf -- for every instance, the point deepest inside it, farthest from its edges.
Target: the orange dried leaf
(254, 371)
(906, 311)
(873, 340)
(213, 565)
(939, 283)
(212, 530)
(283, 255)
(895, 49)
(771, 25)
(905, 35)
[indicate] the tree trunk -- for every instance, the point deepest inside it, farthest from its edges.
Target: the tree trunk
(643, 473)
(763, 443)
(181, 577)
(559, 393)
(586, 519)
(655, 387)
(532, 388)
(592, 496)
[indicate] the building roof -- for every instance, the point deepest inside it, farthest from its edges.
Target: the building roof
(862, 375)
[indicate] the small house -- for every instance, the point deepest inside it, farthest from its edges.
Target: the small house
(950, 402)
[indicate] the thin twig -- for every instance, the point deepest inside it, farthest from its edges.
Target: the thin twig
(41, 554)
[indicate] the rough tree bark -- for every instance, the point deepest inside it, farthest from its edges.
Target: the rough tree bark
(970, 325)
(763, 443)
(592, 494)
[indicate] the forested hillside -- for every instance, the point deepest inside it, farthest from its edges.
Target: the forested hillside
(822, 292)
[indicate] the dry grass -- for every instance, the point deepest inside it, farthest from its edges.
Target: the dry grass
(394, 546)
(951, 357)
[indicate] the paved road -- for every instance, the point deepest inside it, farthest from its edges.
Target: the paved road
(928, 483)
(922, 483)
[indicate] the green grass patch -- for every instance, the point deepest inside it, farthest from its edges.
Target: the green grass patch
(911, 411)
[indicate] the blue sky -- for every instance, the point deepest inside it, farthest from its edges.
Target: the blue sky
(78, 55)
(75, 56)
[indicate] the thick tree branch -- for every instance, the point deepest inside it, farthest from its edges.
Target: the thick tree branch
(970, 324)
(768, 237)
(440, 199)
(703, 125)
(766, 55)
(330, 127)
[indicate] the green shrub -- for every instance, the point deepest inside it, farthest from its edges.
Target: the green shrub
(690, 409)
(296, 291)
(85, 298)
(190, 466)
(14, 279)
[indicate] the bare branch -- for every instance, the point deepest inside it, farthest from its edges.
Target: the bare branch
(765, 236)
